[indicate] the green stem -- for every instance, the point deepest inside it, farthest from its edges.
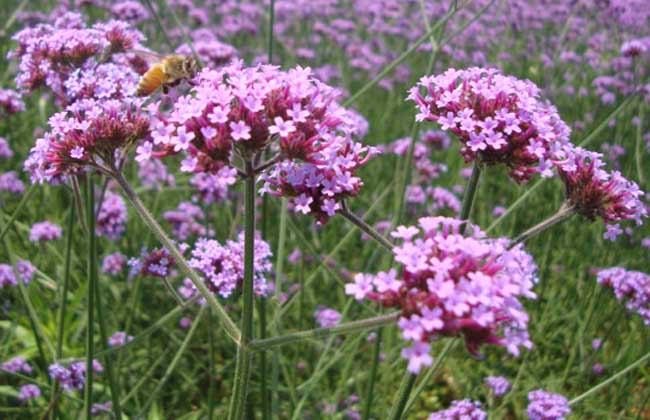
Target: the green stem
(225, 320)
(212, 369)
(639, 145)
(92, 280)
(20, 206)
(402, 395)
(468, 195)
(373, 375)
(315, 333)
(361, 224)
(610, 380)
(242, 370)
(563, 213)
(266, 406)
(113, 383)
(174, 362)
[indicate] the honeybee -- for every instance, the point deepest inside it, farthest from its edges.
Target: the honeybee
(166, 72)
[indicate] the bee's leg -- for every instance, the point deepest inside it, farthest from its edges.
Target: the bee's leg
(165, 89)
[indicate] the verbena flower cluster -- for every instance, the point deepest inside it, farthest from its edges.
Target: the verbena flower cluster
(9, 182)
(29, 392)
(461, 410)
(25, 271)
(45, 231)
(5, 149)
(119, 338)
(498, 384)
(213, 188)
(247, 110)
(155, 263)
(222, 266)
(114, 263)
(327, 317)
(547, 406)
(89, 133)
(454, 285)
(72, 377)
(112, 217)
(595, 192)
(187, 221)
(10, 102)
(498, 119)
(633, 287)
(17, 365)
(51, 55)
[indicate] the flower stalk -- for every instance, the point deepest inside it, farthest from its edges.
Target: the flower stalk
(344, 328)
(563, 213)
(244, 355)
(92, 280)
(225, 320)
(365, 227)
(468, 196)
(403, 395)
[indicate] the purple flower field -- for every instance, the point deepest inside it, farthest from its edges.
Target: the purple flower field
(325, 209)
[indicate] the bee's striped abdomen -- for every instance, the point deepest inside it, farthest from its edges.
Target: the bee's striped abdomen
(151, 80)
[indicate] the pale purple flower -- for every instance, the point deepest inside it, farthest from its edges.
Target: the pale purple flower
(114, 263)
(499, 385)
(327, 317)
(45, 231)
(547, 406)
(461, 410)
(119, 338)
(29, 392)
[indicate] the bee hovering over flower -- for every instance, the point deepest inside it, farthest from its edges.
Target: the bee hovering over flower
(167, 71)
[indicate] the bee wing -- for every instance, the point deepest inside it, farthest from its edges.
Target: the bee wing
(149, 56)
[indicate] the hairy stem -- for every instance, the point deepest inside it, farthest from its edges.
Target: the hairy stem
(148, 219)
(402, 395)
(242, 370)
(344, 328)
(468, 195)
(563, 213)
(373, 375)
(361, 224)
(92, 281)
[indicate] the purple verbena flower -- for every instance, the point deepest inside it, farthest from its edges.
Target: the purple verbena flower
(461, 410)
(45, 231)
(547, 406)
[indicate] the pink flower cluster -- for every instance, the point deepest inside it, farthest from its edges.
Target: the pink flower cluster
(327, 317)
(113, 264)
(74, 375)
(631, 286)
(186, 221)
(103, 81)
(11, 102)
(498, 119)
(112, 217)
(222, 266)
(247, 110)
(49, 54)
(547, 406)
(594, 192)
(155, 263)
(119, 338)
(213, 188)
(461, 410)
(212, 52)
(88, 133)
(45, 231)
(453, 285)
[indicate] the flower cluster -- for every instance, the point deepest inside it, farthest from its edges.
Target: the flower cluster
(594, 192)
(45, 231)
(154, 174)
(104, 81)
(29, 392)
(25, 271)
(129, 11)
(454, 285)
(631, 286)
(212, 52)
(74, 375)
(249, 109)
(112, 217)
(422, 150)
(185, 221)
(547, 406)
(327, 317)
(113, 264)
(88, 133)
(155, 263)
(119, 338)
(222, 266)
(17, 365)
(50, 54)
(461, 410)
(11, 102)
(498, 119)
(5, 150)
(9, 182)
(498, 384)
(213, 188)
